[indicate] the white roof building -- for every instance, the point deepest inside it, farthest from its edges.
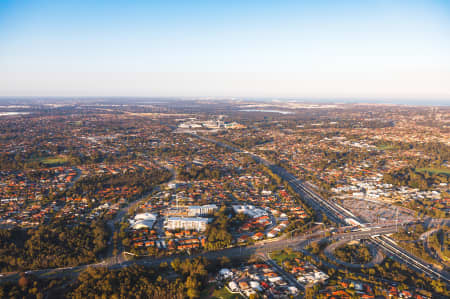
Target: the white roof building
(145, 216)
(143, 220)
(233, 286)
(226, 273)
(250, 210)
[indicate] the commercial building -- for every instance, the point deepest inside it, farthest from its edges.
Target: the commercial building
(187, 223)
(190, 211)
(143, 220)
(205, 210)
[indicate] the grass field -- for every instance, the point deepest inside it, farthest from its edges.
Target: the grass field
(434, 170)
(281, 256)
(224, 294)
(385, 147)
(56, 160)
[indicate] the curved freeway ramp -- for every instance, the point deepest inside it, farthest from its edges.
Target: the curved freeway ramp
(378, 256)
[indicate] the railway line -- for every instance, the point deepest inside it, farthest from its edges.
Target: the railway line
(342, 216)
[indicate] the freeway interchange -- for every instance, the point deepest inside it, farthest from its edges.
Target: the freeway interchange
(263, 247)
(341, 216)
(336, 213)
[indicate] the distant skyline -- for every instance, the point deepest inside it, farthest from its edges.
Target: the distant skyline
(337, 50)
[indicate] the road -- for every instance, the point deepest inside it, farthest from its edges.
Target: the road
(286, 275)
(425, 238)
(334, 213)
(113, 224)
(377, 256)
(398, 253)
(332, 210)
(338, 214)
(264, 247)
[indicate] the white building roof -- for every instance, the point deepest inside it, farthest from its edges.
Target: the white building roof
(145, 216)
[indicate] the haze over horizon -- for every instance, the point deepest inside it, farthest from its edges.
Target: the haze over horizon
(286, 49)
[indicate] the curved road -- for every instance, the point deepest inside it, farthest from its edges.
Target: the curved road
(338, 214)
(376, 253)
(232, 252)
(332, 210)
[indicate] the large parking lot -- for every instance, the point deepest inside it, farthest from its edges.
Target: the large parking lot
(375, 212)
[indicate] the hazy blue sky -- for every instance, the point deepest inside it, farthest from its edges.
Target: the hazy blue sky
(312, 49)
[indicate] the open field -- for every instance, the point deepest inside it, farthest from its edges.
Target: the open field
(224, 294)
(55, 160)
(281, 256)
(434, 170)
(385, 147)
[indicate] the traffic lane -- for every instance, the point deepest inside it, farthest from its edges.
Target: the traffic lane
(149, 262)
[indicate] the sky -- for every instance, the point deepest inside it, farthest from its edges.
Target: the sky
(274, 49)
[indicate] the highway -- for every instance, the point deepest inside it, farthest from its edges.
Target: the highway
(412, 261)
(340, 215)
(262, 247)
(331, 209)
